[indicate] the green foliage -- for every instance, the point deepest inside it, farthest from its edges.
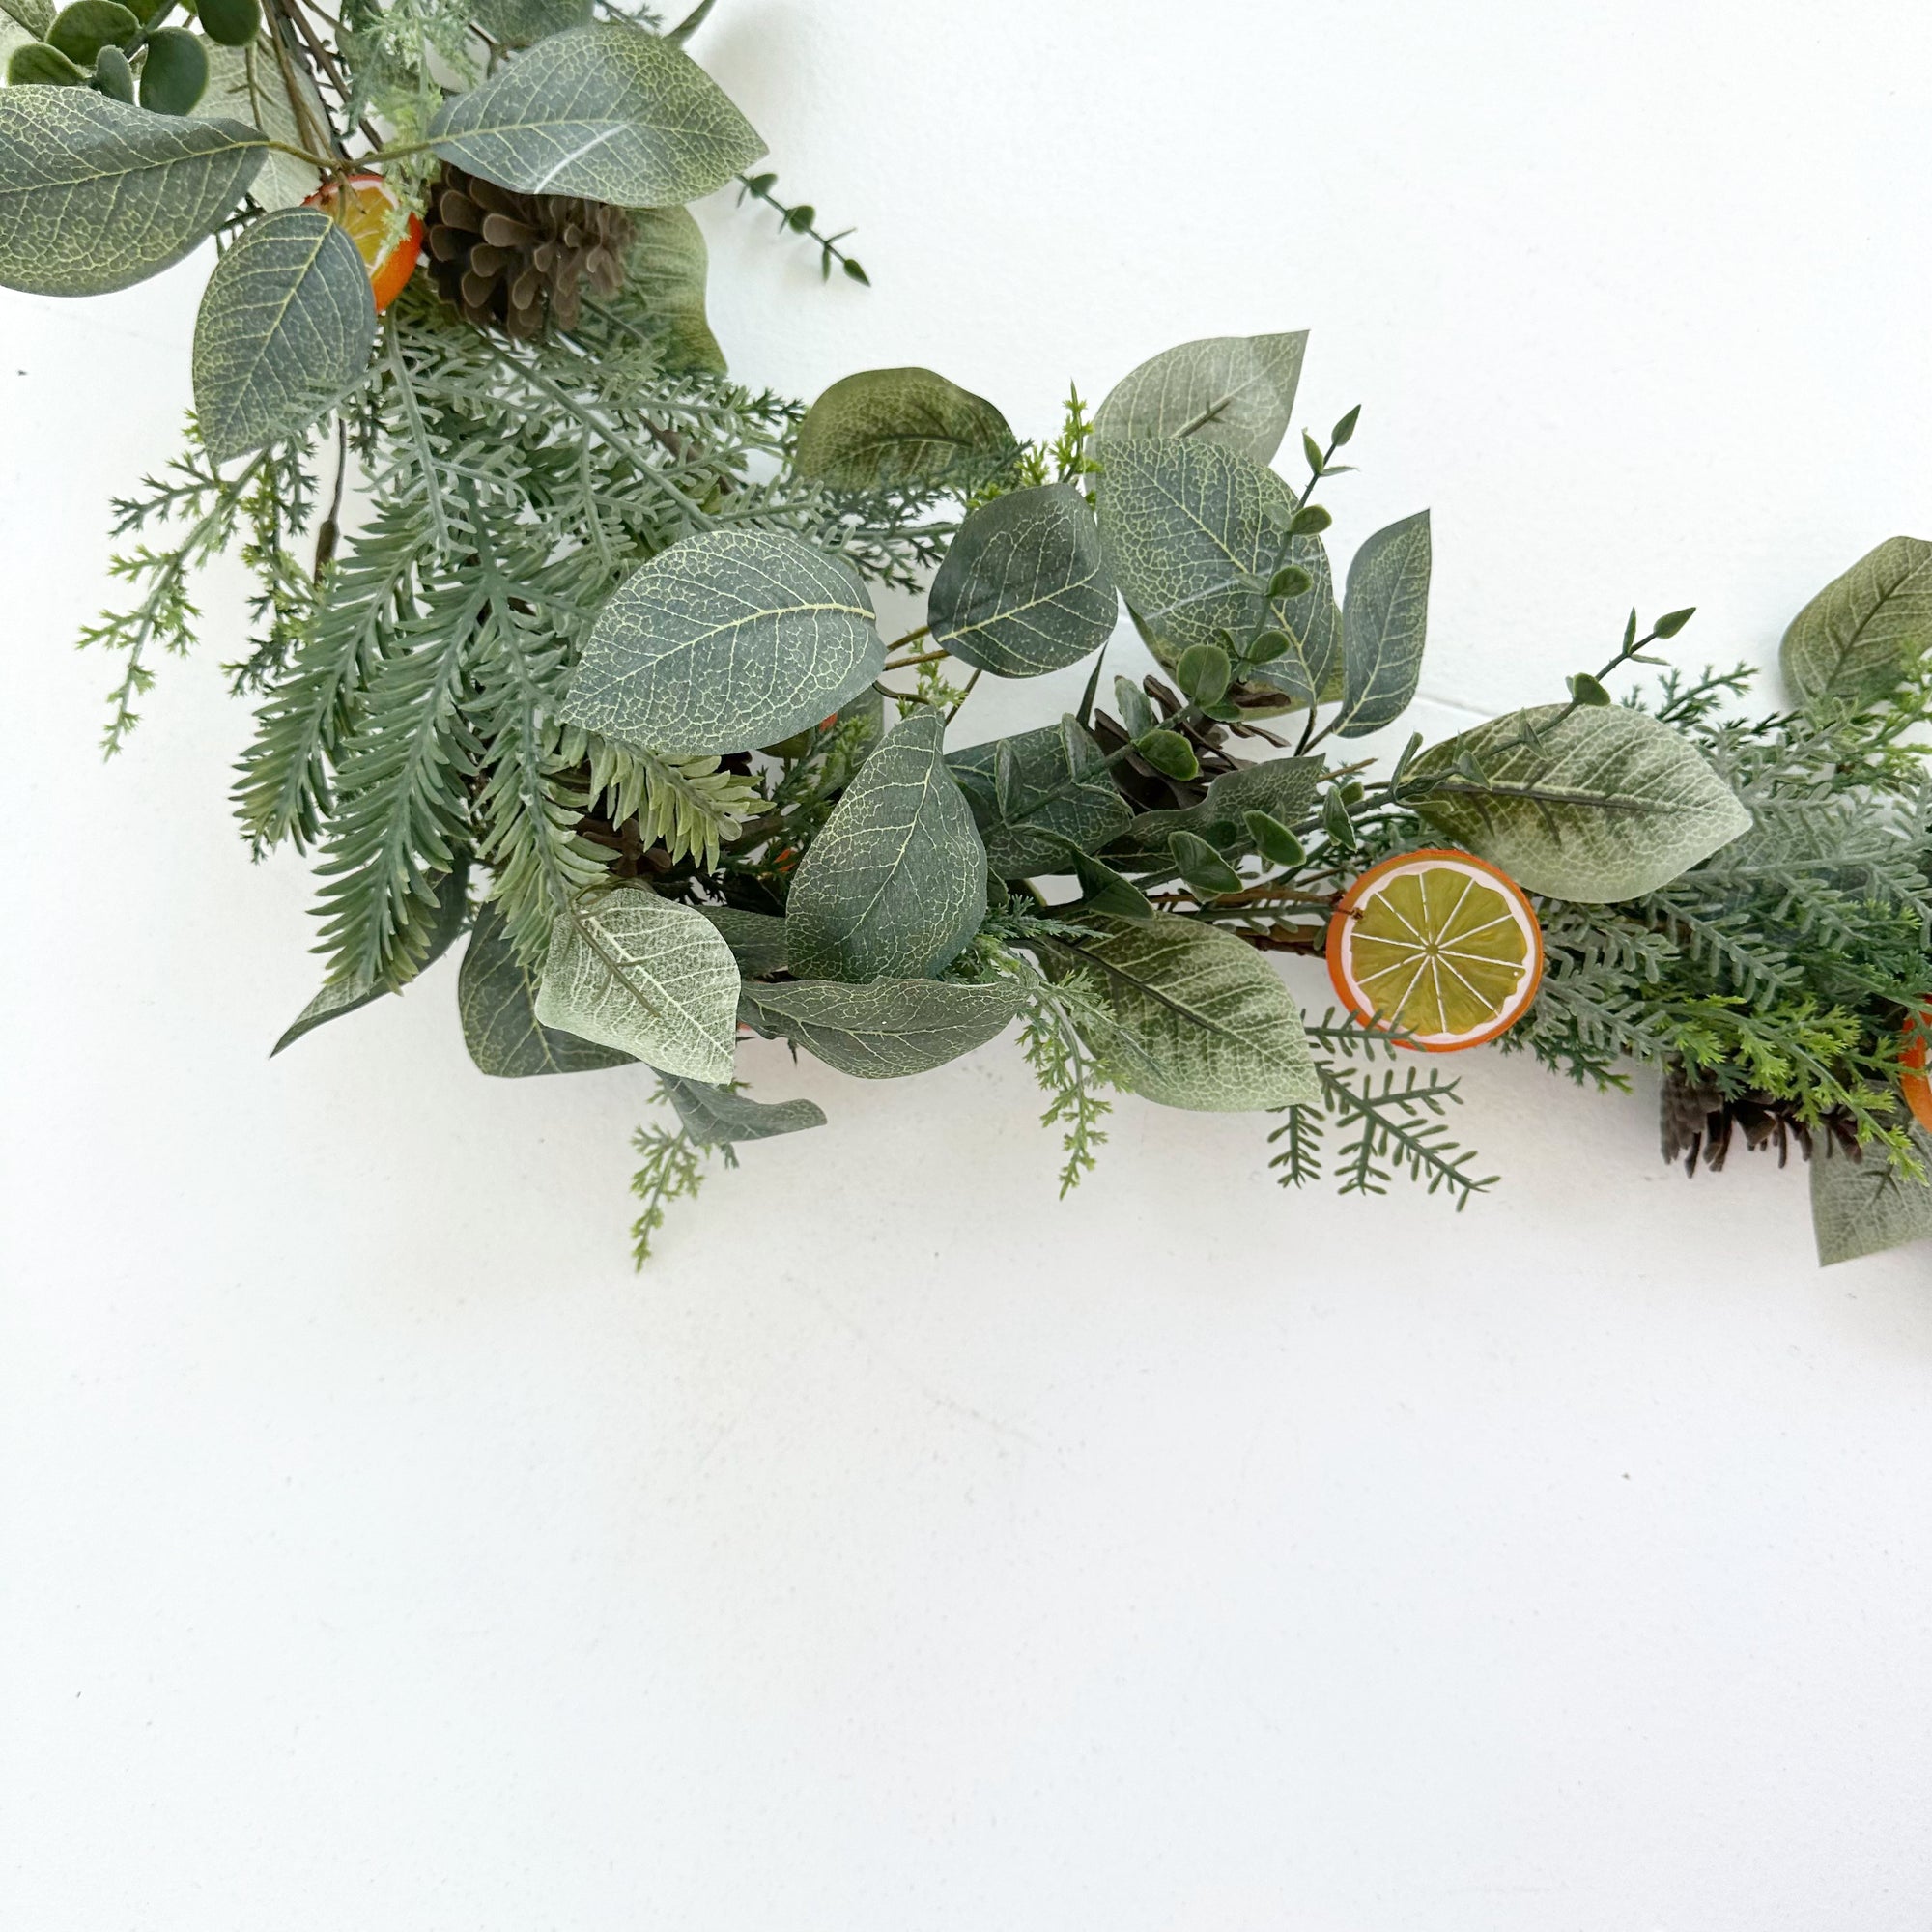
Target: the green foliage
(903, 427)
(1235, 390)
(670, 1169)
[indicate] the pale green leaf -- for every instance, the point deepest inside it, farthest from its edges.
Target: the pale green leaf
(1238, 390)
(247, 84)
(1609, 804)
(1061, 796)
(896, 882)
(1863, 1207)
(97, 196)
(724, 642)
(631, 971)
(1385, 621)
(717, 1117)
(35, 17)
(1205, 1021)
(1185, 530)
(886, 1029)
(666, 269)
(1860, 636)
(1023, 590)
(497, 1000)
(886, 429)
(286, 326)
(757, 939)
(608, 111)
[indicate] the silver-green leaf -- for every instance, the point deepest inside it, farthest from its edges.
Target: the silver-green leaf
(631, 971)
(1859, 638)
(887, 1030)
(719, 1117)
(257, 93)
(1385, 624)
(1238, 390)
(896, 884)
(724, 642)
(667, 269)
(1863, 1207)
(757, 939)
(1059, 799)
(608, 111)
(1207, 1022)
(97, 195)
(1282, 787)
(497, 1000)
(886, 429)
(286, 326)
(1186, 530)
(1023, 590)
(522, 23)
(1605, 805)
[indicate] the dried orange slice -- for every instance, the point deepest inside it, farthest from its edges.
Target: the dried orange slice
(365, 206)
(1438, 946)
(1913, 1083)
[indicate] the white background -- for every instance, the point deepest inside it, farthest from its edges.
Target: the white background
(906, 1551)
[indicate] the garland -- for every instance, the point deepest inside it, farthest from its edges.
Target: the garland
(592, 682)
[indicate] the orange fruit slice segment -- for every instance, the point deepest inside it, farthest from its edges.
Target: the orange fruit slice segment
(365, 206)
(1437, 946)
(1913, 1083)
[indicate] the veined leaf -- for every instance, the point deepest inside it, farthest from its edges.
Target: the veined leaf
(1238, 390)
(1031, 834)
(259, 95)
(1385, 621)
(724, 642)
(286, 326)
(631, 971)
(1865, 630)
(1861, 1207)
(521, 23)
(496, 1000)
(885, 1030)
(347, 996)
(757, 939)
(717, 1117)
(608, 111)
(36, 16)
(97, 196)
(1282, 787)
(1607, 805)
(1185, 530)
(1023, 590)
(887, 429)
(1207, 1020)
(667, 267)
(896, 882)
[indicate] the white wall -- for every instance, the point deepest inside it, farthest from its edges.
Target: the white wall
(906, 1549)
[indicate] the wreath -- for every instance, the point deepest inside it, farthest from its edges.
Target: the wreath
(591, 682)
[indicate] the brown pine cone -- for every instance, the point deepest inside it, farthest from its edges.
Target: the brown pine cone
(518, 262)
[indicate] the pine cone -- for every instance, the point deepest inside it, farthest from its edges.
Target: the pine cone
(519, 261)
(1698, 1121)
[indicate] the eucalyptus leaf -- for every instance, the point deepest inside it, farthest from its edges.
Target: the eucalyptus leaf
(1023, 590)
(35, 64)
(895, 884)
(757, 939)
(82, 30)
(1384, 622)
(255, 94)
(667, 268)
(1238, 390)
(629, 970)
(886, 1029)
(521, 23)
(717, 1117)
(1861, 1207)
(1283, 788)
(96, 195)
(347, 996)
(609, 111)
(35, 15)
(1609, 805)
(1186, 530)
(497, 1000)
(286, 326)
(1865, 631)
(174, 77)
(886, 429)
(1207, 1022)
(724, 642)
(1061, 799)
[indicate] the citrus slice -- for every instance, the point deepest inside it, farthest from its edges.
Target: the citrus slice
(1913, 1083)
(365, 206)
(1437, 946)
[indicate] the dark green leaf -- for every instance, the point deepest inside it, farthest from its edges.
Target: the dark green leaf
(667, 267)
(757, 939)
(1201, 867)
(1169, 753)
(1860, 636)
(497, 999)
(1585, 690)
(112, 75)
(1203, 672)
(230, 23)
(80, 31)
(886, 1029)
(717, 1117)
(1669, 625)
(38, 64)
(1059, 796)
(887, 429)
(1384, 625)
(1275, 841)
(174, 76)
(522, 23)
